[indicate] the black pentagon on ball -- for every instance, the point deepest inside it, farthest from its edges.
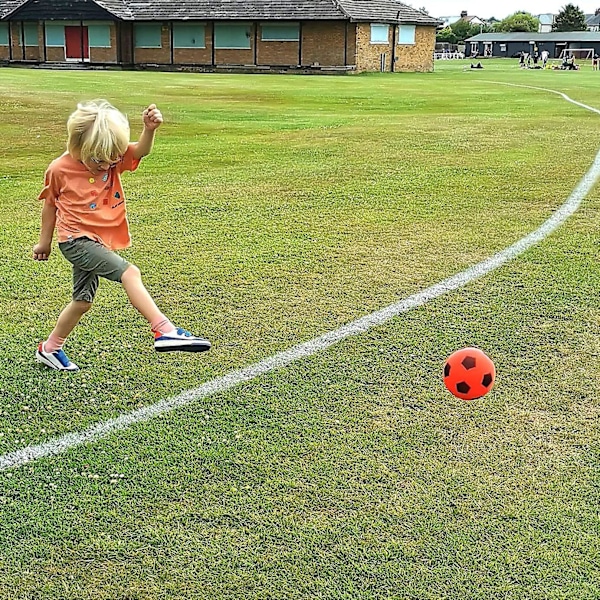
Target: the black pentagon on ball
(446, 370)
(468, 362)
(487, 380)
(463, 387)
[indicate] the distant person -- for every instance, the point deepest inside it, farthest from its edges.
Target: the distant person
(595, 61)
(83, 198)
(545, 56)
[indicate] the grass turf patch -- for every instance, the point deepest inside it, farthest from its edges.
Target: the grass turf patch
(274, 209)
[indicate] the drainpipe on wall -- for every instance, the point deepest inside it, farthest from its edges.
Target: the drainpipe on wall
(212, 45)
(23, 54)
(171, 41)
(394, 34)
(255, 52)
(44, 40)
(81, 40)
(346, 43)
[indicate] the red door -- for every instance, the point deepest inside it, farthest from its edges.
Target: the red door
(76, 40)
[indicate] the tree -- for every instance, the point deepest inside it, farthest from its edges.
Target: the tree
(446, 35)
(463, 30)
(519, 21)
(570, 18)
(460, 31)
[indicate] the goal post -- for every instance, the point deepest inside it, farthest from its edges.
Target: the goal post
(578, 53)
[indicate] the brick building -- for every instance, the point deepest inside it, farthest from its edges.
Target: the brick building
(253, 35)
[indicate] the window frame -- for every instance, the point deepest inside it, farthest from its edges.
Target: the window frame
(199, 26)
(106, 43)
(229, 26)
(4, 41)
(28, 29)
(377, 41)
(148, 25)
(53, 31)
(293, 27)
(413, 34)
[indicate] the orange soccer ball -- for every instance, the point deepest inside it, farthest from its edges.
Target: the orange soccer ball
(469, 373)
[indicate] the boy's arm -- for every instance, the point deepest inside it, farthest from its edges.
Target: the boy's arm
(152, 121)
(41, 251)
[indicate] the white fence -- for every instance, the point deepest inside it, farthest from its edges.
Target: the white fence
(448, 55)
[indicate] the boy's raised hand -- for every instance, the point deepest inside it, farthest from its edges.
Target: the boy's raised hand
(152, 117)
(41, 251)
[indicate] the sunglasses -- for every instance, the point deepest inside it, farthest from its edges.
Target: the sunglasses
(110, 163)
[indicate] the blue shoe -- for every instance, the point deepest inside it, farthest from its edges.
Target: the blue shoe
(179, 340)
(55, 360)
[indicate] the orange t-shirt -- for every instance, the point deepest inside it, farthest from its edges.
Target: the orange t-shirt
(89, 205)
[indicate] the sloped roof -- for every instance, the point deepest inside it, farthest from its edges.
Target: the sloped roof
(386, 11)
(234, 9)
(593, 20)
(523, 36)
(118, 8)
(7, 6)
(379, 11)
(449, 20)
(33, 10)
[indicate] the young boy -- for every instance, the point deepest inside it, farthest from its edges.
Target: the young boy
(83, 199)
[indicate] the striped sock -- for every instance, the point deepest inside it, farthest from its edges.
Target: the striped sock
(162, 325)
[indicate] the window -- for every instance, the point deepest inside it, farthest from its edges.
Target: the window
(379, 34)
(406, 34)
(99, 35)
(232, 36)
(502, 47)
(3, 34)
(280, 32)
(147, 35)
(189, 35)
(55, 35)
(31, 34)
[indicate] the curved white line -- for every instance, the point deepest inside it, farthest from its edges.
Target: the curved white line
(281, 359)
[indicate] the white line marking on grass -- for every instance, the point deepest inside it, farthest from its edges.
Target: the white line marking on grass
(63, 443)
(541, 89)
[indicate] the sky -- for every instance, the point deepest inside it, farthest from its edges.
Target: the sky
(486, 9)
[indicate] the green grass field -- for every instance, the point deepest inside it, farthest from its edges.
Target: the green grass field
(274, 209)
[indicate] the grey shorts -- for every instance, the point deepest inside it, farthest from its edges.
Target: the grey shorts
(91, 260)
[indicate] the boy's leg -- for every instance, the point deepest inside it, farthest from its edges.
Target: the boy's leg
(168, 338)
(69, 317)
(50, 352)
(141, 300)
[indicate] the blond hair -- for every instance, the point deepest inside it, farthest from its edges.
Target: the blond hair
(97, 131)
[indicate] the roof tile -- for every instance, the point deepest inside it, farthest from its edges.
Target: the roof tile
(379, 11)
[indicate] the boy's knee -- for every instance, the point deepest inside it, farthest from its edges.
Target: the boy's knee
(132, 272)
(82, 305)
